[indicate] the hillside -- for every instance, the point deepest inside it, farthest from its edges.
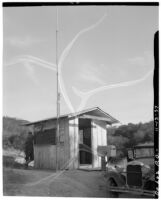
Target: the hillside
(127, 136)
(122, 137)
(14, 133)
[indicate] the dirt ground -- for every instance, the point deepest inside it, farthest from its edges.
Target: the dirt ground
(74, 183)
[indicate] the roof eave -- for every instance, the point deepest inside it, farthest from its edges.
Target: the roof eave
(113, 120)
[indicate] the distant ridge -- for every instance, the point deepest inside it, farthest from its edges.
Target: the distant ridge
(14, 133)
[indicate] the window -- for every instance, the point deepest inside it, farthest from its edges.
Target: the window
(45, 137)
(144, 152)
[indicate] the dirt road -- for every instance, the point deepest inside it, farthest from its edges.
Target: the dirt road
(75, 183)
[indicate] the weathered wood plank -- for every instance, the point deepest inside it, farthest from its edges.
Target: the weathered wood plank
(76, 144)
(66, 144)
(98, 134)
(94, 145)
(45, 156)
(61, 144)
(71, 143)
(104, 135)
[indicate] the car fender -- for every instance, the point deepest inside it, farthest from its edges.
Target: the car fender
(119, 179)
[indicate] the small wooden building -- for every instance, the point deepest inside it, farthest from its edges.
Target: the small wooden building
(80, 135)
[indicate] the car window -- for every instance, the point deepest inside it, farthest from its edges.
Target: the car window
(143, 152)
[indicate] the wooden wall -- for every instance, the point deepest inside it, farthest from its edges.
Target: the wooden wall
(74, 143)
(99, 138)
(68, 150)
(64, 149)
(45, 155)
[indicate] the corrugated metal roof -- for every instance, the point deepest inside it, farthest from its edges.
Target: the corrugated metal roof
(96, 110)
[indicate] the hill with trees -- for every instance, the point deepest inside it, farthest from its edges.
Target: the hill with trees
(14, 134)
(123, 137)
(127, 136)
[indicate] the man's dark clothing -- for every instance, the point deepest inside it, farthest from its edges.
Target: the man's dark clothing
(29, 151)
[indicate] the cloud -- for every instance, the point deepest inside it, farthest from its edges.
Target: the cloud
(92, 78)
(32, 59)
(27, 60)
(22, 42)
(65, 53)
(91, 74)
(145, 60)
(31, 72)
(19, 42)
(86, 95)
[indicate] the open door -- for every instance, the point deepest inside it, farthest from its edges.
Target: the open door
(85, 154)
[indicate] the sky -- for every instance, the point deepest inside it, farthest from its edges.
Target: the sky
(105, 59)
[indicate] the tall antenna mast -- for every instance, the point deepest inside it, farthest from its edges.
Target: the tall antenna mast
(58, 96)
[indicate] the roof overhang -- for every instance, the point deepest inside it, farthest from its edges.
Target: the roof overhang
(94, 113)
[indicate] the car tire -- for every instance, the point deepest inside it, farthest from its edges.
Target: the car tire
(111, 182)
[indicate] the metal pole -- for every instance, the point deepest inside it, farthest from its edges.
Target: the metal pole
(58, 96)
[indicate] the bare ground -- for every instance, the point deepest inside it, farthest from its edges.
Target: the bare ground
(74, 183)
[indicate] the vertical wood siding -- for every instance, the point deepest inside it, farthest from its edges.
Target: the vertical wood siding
(45, 156)
(94, 139)
(99, 138)
(76, 144)
(61, 159)
(68, 151)
(73, 143)
(66, 144)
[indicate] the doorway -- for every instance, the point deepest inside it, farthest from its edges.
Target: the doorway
(85, 154)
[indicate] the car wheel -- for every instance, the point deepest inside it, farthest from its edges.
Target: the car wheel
(149, 185)
(111, 182)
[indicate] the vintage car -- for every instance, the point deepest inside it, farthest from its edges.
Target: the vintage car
(137, 177)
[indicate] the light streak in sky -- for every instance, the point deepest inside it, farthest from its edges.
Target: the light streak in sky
(61, 60)
(65, 54)
(51, 66)
(86, 95)
(32, 59)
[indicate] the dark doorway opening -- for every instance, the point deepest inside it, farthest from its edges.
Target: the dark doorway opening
(85, 155)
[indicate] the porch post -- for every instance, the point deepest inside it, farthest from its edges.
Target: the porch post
(94, 144)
